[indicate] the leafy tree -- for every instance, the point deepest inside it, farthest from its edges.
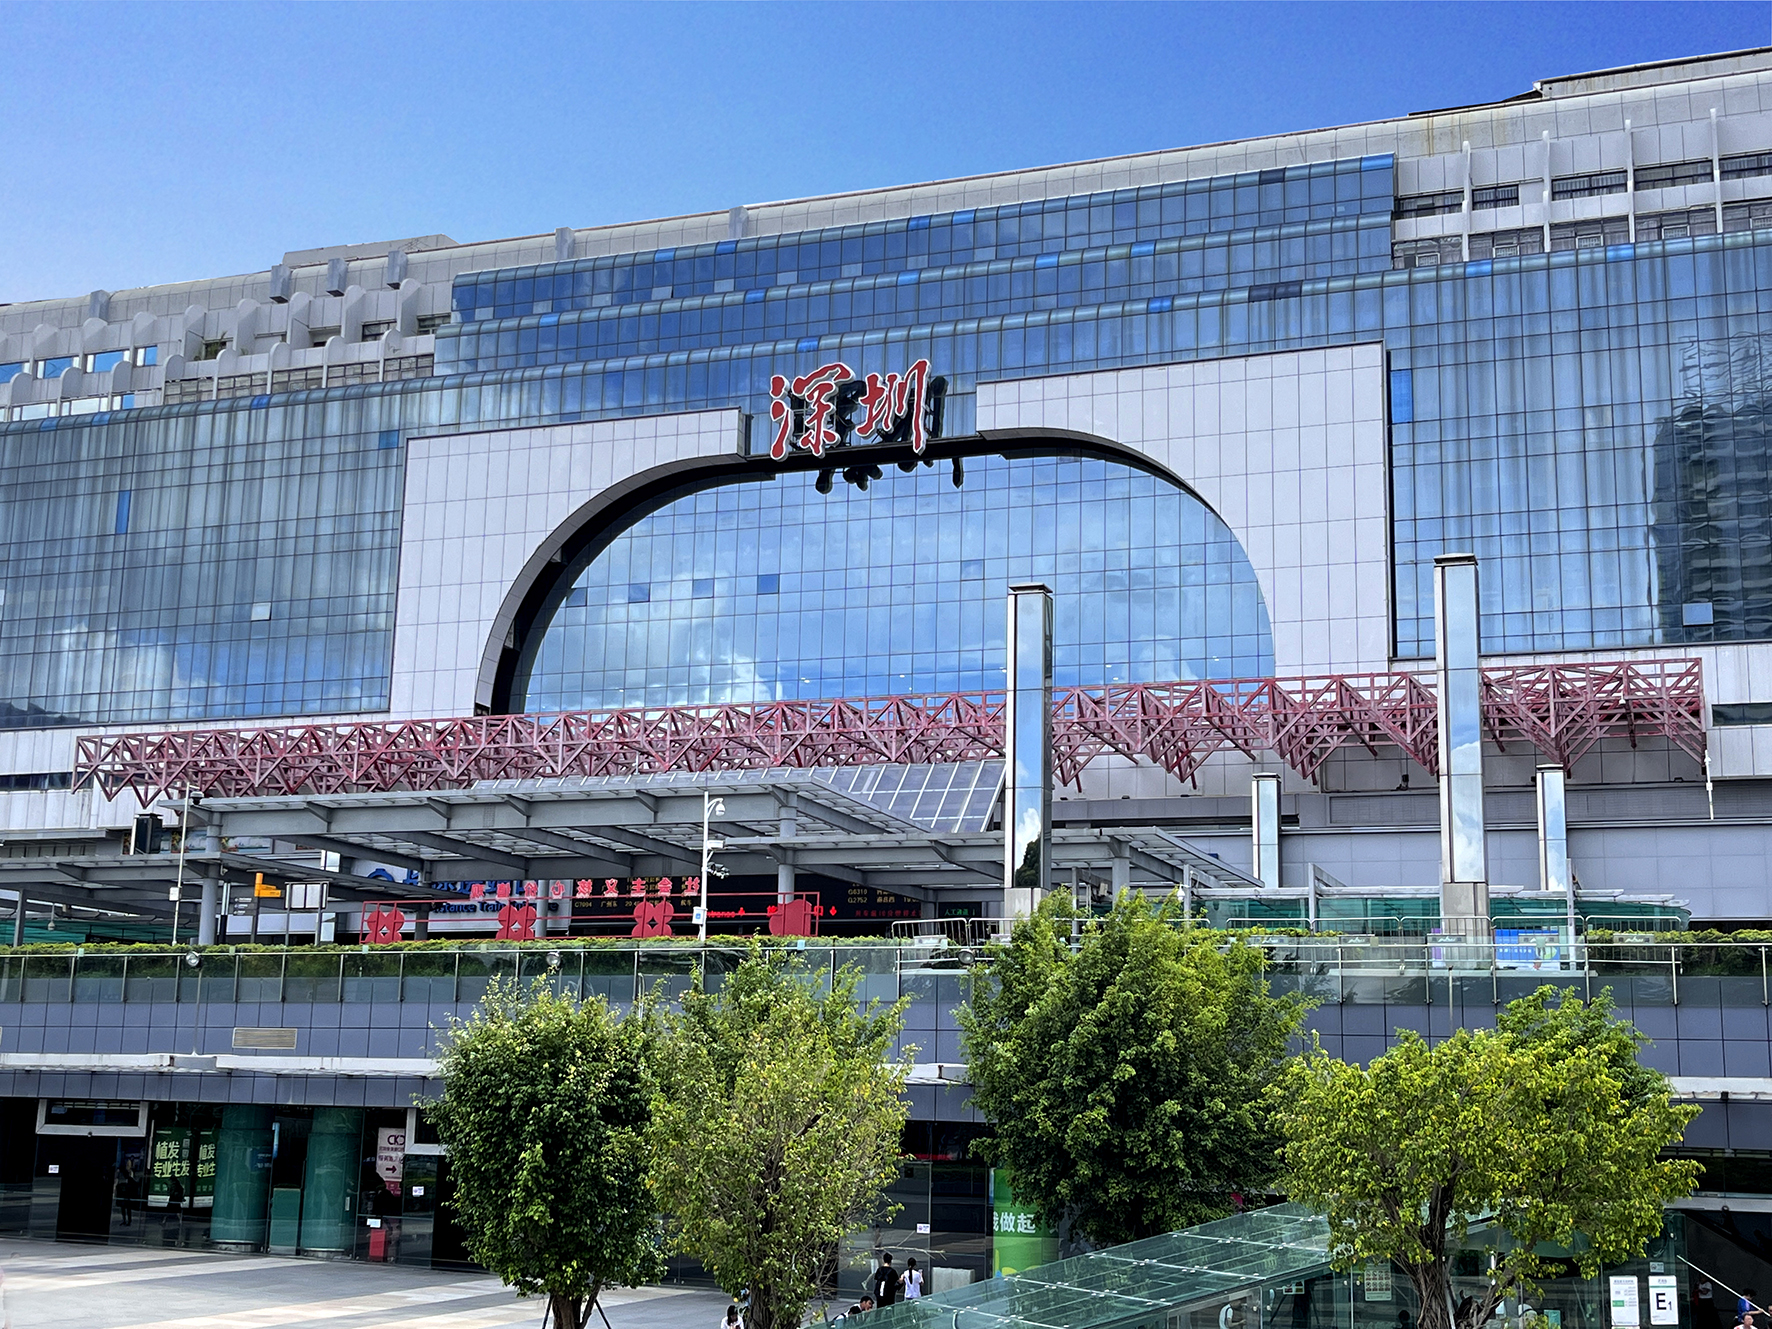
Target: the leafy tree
(1546, 1128)
(778, 1128)
(544, 1109)
(1125, 1077)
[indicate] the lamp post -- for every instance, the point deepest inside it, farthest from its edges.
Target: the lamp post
(711, 807)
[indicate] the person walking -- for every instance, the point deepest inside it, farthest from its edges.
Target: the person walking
(912, 1280)
(885, 1281)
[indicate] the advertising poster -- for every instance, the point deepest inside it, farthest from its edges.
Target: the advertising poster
(1018, 1241)
(203, 1189)
(169, 1177)
(182, 1168)
(1627, 1313)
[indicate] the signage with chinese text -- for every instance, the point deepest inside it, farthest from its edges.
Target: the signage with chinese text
(182, 1168)
(390, 1157)
(1018, 1239)
(1664, 1299)
(829, 406)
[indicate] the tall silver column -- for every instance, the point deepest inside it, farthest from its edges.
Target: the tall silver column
(1264, 827)
(209, 908)
(1553, 830)
(1464, 861)
(1027, 721)
(784, 869)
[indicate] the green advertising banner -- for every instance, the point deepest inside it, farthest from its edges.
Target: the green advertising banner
(175, 1179)
(1018, 1241)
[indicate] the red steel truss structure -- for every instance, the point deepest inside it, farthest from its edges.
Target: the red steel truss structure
(1561, 710)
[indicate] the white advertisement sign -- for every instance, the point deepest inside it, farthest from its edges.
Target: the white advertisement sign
(1664, 1299)
(1627, 1311)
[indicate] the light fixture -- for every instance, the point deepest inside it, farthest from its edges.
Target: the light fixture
(553, 959)
(193, 959)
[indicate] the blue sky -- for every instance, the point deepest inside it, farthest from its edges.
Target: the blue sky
(161, 142)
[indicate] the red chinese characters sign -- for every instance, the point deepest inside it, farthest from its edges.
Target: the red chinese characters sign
(818, 410)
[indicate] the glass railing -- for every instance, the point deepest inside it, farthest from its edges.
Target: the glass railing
(1327, 968)
(445, 976)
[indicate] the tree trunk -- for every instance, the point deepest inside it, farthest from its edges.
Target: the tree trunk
(568, 1312)
(1433, 1284)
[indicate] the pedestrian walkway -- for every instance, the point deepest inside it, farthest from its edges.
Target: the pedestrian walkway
(94, 1287)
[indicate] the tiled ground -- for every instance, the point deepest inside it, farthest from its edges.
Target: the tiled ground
(93, 1287)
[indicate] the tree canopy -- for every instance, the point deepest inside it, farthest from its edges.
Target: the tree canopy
(1125, 1078)
(779, 1126)
(1546, 1128)
(544, 1109)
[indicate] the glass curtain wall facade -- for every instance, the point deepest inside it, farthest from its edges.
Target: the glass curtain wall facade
(1586, 421)
(763, 592)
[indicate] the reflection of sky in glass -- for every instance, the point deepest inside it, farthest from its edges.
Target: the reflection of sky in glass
(759, 591)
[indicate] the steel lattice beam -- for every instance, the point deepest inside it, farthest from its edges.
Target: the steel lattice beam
(1561, 710)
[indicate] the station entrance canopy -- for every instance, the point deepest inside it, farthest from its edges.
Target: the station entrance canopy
(898, 794)
(1223, 1274)
(912, 830)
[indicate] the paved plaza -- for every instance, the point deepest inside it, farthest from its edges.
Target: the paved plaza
(94, 1287)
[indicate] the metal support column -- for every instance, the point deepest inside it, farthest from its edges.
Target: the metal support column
(207, 911)
(784, 870)
(1264, 827)
(1553, 844)
(1121, 868)
(1027, 720)
(1464, 866)
(421, 921)
(18, 921)
(1553, 830)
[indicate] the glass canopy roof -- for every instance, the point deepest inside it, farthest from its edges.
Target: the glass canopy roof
(1143, 1283)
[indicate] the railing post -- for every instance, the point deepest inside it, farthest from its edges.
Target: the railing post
(1340, 975)
(1673, 964)
(455, 979)
(1763, 993)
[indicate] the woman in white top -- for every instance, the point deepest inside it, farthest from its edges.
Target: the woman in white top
(913, 1280)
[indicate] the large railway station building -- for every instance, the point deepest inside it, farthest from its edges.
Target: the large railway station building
(526, 588)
